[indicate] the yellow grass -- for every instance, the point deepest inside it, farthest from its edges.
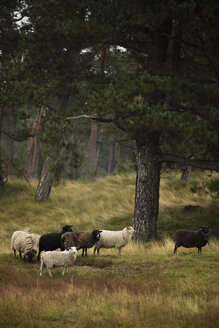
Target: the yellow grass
(147, 286)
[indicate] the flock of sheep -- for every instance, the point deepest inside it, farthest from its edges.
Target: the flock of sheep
(29, 243)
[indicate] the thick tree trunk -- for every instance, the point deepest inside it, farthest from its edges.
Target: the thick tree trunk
(45, 182)
(147, 190)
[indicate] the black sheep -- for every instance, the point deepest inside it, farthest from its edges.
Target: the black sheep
(84, 240)
(52, 241)
(188, 238)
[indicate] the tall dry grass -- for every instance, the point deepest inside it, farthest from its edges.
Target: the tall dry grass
(147, 286)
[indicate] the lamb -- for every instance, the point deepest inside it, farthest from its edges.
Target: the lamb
(110, 239)
(26, 243)
(83, 239)
(58, 259)
(188, 238)
(52, 241)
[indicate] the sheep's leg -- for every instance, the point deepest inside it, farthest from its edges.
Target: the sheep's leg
(82, 252)
(38, 257)
(94, 250)
(49, 272)
(175, 249)
(20, 254)
(41, 267)
(119, 250)
(98, 251)
(14, 251)
(199, 250)
(63, 271)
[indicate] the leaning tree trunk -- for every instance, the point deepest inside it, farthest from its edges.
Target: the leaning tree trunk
(147, 191)
(45, 182)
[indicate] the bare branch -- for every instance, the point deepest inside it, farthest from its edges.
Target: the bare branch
(99, 119)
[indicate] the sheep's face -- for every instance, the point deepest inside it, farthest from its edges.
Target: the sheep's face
(205, 230)
(130, 230)
(67, 228)
(31, 254)
(96, 234)
(73, 250)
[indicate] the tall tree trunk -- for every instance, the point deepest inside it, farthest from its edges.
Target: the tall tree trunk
(93, 151)
(1, 162)
(13, 121)
(85, 162)
(112, 157)
(45, 182)
(36, 155)
(147, 190)
(148, 167)
(31, 142)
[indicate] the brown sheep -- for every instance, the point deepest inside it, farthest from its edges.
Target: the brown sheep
(188, 238)
(84, 240)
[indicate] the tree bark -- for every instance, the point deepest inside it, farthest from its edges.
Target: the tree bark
(147, 190)
(112, 157)
(1, 162)
(13, 121)
(186, 173)
(36, 155)
(93, 151)
(45, 182)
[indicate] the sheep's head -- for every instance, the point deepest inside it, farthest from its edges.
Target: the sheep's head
(67, 228)
(96, 234)
(73, 250)
(204, 230)
(31, 254)
(129, 230)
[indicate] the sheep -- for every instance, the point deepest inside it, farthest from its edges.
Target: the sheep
(110, 239)
(188, 238)
(26, 243)
(15, 235)
(52, 241)
(83, 239)
(58, 259)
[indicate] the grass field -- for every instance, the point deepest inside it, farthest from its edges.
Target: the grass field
(147, 286)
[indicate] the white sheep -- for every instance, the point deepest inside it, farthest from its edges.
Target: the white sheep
(110, 239)
(15, 235)
(58, 259)
(27, 243)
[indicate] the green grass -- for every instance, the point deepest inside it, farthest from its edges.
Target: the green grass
(147, 286)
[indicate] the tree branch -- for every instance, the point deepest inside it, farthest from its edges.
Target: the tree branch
(199, 163)
(95, 118)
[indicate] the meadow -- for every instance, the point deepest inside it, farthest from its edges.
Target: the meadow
(147, 286)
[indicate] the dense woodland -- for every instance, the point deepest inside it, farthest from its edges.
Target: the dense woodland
(90, 88)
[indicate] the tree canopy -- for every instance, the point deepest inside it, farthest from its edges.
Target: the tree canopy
(151, 68)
